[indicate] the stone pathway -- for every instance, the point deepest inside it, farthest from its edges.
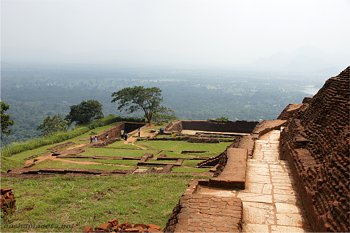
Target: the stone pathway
(270, 203)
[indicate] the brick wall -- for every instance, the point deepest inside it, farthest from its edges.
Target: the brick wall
(316, 142)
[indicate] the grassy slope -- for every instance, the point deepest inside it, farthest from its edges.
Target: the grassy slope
(117, 152)
(18, 160)
(91, 200)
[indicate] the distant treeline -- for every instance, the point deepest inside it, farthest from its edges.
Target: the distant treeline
(35, 94)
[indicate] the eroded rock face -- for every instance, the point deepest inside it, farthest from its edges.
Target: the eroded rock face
(316, 142)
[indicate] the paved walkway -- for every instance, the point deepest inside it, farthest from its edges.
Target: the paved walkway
(270, 203)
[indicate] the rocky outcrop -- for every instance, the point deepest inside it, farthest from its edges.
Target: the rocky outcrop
(289, 111)
(316, 142)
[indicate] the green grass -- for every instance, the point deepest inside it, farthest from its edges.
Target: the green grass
(91, 200)
(117, 152)
(120, 145)
(191, 163)
(17, 160)
(18, 147)
(178, 146)
(47, 164)
(109, 161)
(118, 148)
(189, 169)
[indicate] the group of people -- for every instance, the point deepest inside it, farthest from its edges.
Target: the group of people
(125, 135)
(93, 139)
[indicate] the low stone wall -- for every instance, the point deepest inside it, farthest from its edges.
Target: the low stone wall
(213, 126)
(316, 144)
(115, 132)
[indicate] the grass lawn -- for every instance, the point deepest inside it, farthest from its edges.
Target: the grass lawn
(191, 163)
(120, 145)
(76, 201)
(109, 161)
(62, 165)
(189, 169)
(18, 160)
(178, 146)
(117, 152)
(91, 200)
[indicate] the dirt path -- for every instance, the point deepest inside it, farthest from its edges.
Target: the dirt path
(38, 159)
(76, 162)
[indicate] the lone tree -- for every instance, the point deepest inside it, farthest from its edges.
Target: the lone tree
(136, 98)
(6, 122)
(85, 112)
(52, 124)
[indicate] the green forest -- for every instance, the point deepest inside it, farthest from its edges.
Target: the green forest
(34, 93)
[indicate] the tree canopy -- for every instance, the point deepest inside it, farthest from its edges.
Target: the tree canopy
(85, 112)
(53, 124)
(6, 122)
(136, 98)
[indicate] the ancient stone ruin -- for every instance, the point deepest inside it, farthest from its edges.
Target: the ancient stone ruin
(115, 133)
(316, 144)
(287, 175)
(213, 126)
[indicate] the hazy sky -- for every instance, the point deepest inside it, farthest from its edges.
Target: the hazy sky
(200, 33)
